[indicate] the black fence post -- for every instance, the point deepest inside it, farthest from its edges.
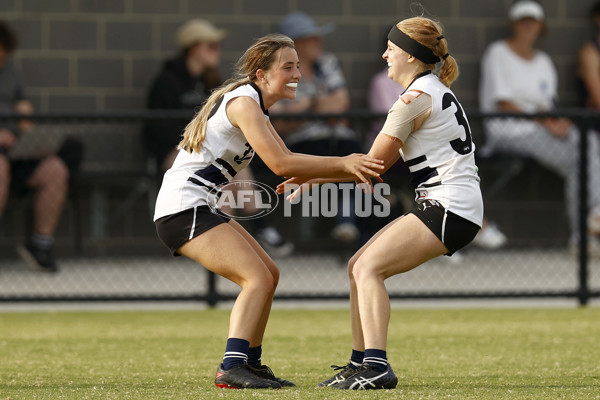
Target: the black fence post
(212, 296)
(583, 293)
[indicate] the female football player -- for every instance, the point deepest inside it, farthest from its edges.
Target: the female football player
(428, 128)
(218, 143)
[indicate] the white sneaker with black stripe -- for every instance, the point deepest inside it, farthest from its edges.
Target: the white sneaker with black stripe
(346, 371)
(369, 378)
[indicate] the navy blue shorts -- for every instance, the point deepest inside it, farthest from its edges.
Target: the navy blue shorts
(454, 231)
(177, 229)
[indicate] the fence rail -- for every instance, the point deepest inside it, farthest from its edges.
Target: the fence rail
(108, 251)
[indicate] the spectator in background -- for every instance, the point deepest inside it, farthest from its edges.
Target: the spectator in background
(516, 77)
(321, 90)
(589, 64)
(383, 93)
(184, 83)
(46, 174)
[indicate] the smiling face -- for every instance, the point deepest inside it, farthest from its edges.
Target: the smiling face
(397, 61)
(281, 79)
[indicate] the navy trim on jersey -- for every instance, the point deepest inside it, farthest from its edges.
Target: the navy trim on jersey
(430, 185)
(416, 160)
(422, 74)
(212, 174)
(217, 192)
(197, 182)
(227, 166)
(422, 175)
(215, 108)
(262, 104)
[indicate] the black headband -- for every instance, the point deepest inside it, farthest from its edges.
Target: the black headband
(411, 46)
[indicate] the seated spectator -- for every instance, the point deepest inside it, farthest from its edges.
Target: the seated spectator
(47, 175)
(588, 71)
(516, 77)
(322, 89)
(184, 83)
(383, 93)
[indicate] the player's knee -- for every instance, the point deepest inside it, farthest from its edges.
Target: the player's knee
(275, 275)
(363, 269)
(351, 264)
(269, 286)
(265, 282)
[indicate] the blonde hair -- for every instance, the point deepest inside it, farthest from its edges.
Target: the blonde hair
(428, 32)
(261, 55)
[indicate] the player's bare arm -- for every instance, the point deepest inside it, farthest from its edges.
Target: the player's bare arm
(245, 113)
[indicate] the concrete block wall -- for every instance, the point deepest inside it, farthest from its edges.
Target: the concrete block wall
(100, 55)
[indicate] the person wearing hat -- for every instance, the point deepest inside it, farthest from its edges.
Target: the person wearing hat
(517, 77)
(322, 90)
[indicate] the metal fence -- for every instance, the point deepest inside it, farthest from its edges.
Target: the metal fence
(107, 247)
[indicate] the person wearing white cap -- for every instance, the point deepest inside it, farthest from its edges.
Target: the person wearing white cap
(323, 90)
(517, 77)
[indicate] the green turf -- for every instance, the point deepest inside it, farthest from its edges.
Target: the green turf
(437, 354)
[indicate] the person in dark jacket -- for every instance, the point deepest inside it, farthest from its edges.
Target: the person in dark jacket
(184, 82)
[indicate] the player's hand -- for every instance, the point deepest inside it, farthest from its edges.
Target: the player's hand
(298, 191)
(298, 185)
(368, 188)
(289, 183)
(363, 167)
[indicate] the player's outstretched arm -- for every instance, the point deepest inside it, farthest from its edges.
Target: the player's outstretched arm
(245, 113)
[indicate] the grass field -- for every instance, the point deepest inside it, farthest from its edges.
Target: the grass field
(437, 354)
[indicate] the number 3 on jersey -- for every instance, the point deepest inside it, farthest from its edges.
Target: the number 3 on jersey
(460, 146)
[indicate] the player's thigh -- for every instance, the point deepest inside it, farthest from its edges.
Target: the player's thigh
(262, 254)
(365, 246)
(404, 245)
(224, 251)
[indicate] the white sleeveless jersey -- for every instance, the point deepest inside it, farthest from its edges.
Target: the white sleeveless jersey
(193, 178)
(440, 154)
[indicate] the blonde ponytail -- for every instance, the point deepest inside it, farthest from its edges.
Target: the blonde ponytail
(195, 131)
(448, 71)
